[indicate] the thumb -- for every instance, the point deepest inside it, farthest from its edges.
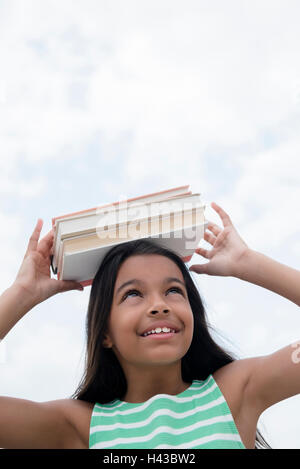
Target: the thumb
(67, 285)
(199, 268)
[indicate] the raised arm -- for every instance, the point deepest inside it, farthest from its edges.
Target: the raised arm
(33, 283)
(24, 423)
(261, 270)
(230, 256)
(274, 377)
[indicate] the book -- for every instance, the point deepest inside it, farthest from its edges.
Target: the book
(173, 218)
(84, 222)
(64, 224)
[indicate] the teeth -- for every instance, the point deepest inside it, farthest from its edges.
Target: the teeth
(158, 330)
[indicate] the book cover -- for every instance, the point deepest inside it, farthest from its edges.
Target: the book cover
(80, 247)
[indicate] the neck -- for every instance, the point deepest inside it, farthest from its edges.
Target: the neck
(144, 384)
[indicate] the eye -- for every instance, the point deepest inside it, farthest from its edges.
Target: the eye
(130, 292)
(177, 289)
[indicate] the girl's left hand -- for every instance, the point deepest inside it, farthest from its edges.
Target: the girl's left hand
(228, 248)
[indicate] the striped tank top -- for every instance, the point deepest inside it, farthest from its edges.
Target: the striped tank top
(198, 417)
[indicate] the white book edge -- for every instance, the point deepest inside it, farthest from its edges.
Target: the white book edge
(160, 207)
(82, 266)
(162, 195)
(113, 216)
(197, 209)
(140, 200)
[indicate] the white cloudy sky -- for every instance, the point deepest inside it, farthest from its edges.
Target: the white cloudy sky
(107, 100)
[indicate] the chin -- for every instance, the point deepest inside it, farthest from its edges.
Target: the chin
(162, 359)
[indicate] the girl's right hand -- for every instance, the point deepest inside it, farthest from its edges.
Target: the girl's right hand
(34, 274)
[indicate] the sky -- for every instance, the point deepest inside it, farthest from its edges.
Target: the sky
(102, 101)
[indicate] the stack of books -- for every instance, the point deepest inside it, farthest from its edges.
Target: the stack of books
(173, 218)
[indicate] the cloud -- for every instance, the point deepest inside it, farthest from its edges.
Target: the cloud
(99, 99)
(43, 359)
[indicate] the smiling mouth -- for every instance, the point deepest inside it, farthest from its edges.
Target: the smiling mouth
(160, 335)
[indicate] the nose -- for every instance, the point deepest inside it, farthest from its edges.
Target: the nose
(155, 311)
(159, 307)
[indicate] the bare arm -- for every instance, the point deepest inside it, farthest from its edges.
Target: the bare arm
(14, 304)
(231, 256)
(261, 270)
(24, 423)
(274, 377)
(33, 283)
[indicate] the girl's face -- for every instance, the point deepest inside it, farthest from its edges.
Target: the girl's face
(156, 297)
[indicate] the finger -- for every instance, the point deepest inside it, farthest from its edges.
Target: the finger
(215, 229)
(34, 238)
(67, 285)
(223, 215)
(45, 245)
(199, 268)
(203, 252)
(209, 238)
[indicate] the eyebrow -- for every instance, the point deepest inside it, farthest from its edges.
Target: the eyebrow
(140, 282)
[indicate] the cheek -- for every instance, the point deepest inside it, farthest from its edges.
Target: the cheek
(123, 333)
(125, 346)
(189, 318)
(190, 326)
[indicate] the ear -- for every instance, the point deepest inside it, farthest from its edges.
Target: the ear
(107, 342)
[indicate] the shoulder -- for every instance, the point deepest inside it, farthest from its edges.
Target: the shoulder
(77, 415)
(239, 370)
(60, 424)
(264, 380)
(234, 380)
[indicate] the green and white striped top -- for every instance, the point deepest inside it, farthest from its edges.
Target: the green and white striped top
(198, 417)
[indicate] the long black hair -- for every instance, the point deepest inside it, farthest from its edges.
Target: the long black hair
(103, 379)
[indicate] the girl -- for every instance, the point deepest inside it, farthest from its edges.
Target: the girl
(154, 377)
